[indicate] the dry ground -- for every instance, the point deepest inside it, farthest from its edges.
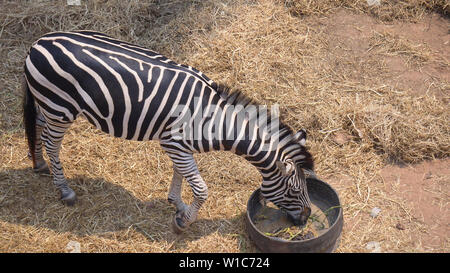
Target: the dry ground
(371, 86)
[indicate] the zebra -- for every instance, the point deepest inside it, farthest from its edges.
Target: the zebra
(133, 93)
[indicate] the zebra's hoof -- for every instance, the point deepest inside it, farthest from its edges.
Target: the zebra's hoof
(177, 225)
(68, 196)
(69, 201)
(42, 169)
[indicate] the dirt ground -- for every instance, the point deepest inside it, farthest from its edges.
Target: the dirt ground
(372, 93)
(423, 188)
(352, 33)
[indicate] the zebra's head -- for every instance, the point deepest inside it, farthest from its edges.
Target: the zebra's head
(287, 188)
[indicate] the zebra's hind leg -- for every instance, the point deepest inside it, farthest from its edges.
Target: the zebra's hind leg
(40, 163)
(52, 136)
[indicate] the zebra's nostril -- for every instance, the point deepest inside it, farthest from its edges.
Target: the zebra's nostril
(300, 218)
(296, 218)
(306, 212)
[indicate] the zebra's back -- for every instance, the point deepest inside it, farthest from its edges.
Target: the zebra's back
(125, 90)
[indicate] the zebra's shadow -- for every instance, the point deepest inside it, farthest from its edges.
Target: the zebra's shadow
(103, 209)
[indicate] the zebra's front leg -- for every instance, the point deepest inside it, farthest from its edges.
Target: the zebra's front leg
(175, 192)
(52, 137)
(184, 166)
(185, 217)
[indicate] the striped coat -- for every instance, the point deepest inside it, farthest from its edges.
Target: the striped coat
(134, 93)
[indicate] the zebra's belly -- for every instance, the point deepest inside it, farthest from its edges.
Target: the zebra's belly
(127, 128)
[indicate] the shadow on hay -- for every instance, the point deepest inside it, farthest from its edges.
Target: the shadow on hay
(103, 209)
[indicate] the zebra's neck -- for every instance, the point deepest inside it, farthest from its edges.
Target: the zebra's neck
(248, 130)
(263, 153)
(217, 120)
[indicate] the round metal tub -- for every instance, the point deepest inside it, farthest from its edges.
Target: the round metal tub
(324, 197)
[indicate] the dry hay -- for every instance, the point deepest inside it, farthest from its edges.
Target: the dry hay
(386, 10)
(276, 52)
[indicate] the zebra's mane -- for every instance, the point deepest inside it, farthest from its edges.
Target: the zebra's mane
(236, 97)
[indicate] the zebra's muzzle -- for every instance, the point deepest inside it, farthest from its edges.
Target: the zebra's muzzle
(299, 218)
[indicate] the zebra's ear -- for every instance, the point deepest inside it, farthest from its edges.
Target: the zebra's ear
(286, 168)
(300, 137)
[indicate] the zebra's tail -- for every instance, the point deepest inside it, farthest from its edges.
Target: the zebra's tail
(29, 120)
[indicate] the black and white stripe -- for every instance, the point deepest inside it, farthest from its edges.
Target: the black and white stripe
(133, 93)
